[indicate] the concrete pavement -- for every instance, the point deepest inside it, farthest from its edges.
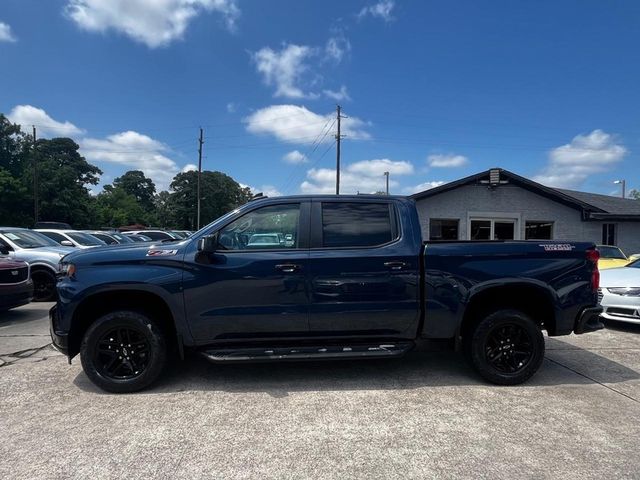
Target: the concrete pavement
(425, 416)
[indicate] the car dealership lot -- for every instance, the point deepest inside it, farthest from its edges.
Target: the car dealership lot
(427, 415)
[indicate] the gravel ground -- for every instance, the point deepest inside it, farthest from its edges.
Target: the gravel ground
(425, 416)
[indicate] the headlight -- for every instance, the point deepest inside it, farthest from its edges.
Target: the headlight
(67, 269)
(626, 291)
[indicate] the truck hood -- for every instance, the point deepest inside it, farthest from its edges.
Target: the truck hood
(620, 277)
(125, 253)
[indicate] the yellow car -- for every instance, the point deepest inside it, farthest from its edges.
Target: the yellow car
(611, 257)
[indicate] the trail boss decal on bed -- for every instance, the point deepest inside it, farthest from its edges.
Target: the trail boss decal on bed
(557, 247)
(161, 253)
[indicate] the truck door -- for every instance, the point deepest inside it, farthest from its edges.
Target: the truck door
(253, 286)
(363, 273)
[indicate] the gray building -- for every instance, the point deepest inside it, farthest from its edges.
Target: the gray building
(500, 205)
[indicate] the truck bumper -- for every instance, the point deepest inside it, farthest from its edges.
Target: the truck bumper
(59, 339)
(588, 320)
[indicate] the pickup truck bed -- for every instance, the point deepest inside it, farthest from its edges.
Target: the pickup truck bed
(341, 277)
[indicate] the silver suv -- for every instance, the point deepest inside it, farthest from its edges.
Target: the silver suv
(40, 252)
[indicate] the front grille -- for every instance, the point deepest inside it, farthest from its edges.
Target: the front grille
(600, 295)
(13, 275)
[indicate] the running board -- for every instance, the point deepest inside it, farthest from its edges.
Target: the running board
(260, 354)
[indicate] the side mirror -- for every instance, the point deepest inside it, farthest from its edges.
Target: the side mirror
(66, 243)
(208, 243)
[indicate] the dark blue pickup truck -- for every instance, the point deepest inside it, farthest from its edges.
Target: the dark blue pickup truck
(319, 277)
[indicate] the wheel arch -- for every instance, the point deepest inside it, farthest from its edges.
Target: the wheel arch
(533, 299)
(96, 304)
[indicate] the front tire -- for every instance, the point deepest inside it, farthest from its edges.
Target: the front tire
(123, 351)
(506, 347)
(44, 286)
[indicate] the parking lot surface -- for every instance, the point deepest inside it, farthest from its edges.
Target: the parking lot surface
(424, 416)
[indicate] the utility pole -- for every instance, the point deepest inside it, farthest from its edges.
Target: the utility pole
(338, 138)
(35, 179)
(200, 142)
(386, 174)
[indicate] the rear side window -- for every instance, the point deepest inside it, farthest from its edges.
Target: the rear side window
(355, 224)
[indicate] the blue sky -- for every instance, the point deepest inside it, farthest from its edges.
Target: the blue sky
(433, 91)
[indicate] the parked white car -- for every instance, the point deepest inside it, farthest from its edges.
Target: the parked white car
(620, 293)
(72, 238)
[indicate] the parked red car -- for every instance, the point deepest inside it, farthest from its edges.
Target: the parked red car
(16, 287)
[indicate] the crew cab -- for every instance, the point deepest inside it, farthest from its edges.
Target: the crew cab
(352, 278)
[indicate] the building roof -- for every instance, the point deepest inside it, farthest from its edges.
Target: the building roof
(592, 205)
(611, 205)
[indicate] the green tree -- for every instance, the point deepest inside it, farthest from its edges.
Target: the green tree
(135, 183)
(115, 208)
(634, 194)
(219, 194)
(63, 177)
(14, 201)
(165, 209)
(14, 147)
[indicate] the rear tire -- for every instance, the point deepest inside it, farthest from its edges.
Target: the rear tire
(123, 351)
(506, 347)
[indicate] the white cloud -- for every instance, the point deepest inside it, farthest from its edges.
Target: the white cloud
(28, 115)
(6, 35)
(155, 23)
(292, 69)
(133, 149)
(571, 164)
(231, 107)
(284, 69)
(297, 124)
(366, 176)
(337, 47)
(421, 187)
(338, 96)
(295, 157)
(447, 161)
(381, 10)
(189, 167)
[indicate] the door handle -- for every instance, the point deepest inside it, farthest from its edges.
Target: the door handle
(288, 267)
(395, 265)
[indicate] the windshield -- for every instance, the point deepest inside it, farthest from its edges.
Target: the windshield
(121, 238)
(611, 252)
(85, 239)
(29, 239)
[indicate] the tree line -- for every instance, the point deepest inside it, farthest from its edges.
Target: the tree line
(64, 179)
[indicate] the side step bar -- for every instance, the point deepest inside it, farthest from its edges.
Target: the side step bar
(262, 354)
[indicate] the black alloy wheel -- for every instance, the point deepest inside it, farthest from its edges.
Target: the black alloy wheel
(509, 348)
(122, 354)
(44, 286)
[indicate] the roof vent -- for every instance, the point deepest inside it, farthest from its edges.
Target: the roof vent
(494, 176)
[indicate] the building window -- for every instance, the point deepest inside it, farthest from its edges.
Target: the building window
(356, 224)
(443, 229)
(538, 231)
(492, 229)
(608, 233)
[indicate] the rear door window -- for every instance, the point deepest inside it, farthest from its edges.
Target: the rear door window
(357, 224)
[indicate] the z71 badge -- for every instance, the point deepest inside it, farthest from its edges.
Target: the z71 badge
(161, 253)
(557, 247)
